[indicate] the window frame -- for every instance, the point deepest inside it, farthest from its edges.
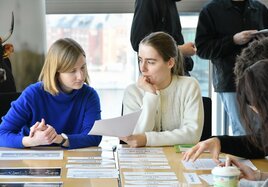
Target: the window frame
(110, 6)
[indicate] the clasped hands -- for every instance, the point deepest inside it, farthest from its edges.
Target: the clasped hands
(41, 134)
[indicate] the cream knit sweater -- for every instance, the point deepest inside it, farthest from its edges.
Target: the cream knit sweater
(174, 116)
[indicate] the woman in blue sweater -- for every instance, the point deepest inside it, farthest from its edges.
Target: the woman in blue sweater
(60, 109)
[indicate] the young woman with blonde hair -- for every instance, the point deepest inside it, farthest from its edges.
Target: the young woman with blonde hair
(60, 109)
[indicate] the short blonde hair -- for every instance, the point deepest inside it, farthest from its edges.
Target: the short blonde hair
(61, 57)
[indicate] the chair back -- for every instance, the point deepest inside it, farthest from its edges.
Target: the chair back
(5, 102)
(207, 104)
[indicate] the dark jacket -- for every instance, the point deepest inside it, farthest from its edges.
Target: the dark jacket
(218, 22)
(7, 85)
(241, 146)
(157, 15)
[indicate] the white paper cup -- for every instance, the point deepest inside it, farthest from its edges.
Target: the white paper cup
(226, 176)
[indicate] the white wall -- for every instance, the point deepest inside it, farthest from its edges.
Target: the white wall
(28, 38)
(29, 23)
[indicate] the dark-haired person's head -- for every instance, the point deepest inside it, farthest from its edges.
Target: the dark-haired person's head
(252, 92)
(256, 50)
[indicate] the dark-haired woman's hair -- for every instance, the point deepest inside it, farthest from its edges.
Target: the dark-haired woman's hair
(256, 50)
(167, 48)
(252, 91)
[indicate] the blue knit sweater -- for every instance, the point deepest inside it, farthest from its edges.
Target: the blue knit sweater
(73, 114)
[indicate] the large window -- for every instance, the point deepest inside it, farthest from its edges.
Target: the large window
(111, 61)
(201, 66)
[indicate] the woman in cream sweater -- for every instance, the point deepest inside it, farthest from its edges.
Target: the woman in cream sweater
(172, 109)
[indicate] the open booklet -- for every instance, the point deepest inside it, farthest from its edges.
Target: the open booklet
(118, 127)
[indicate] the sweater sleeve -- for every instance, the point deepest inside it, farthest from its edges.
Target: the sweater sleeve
(190, 123)
(16, 119)
(240, 146)
(134, 100)
(92, 113)
(146, 121)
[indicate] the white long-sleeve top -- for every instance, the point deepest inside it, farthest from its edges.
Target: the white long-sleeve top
(172, 116)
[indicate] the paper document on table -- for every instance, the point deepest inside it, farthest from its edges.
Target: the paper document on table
(118, 127)
(200, 164)
(192, 178)
(30, 172)
(208, 178)
(31, 155)
(208, 164)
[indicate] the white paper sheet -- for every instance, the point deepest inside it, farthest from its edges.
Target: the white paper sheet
(146, 150)
(78, 166)
(156, 173)
(192, 178)
(142, 155)
(27, 172)
(92, 173)
(143, 176)
(89, 158)
(200, 164)
(118, 127)
(144, 164)
(89, 150)
(208, 164)
(144, 167)
(32, 184)
(31, 155)
(152, 182)
(208, 178)
(142, 159)
(151, 177)
(91, 161)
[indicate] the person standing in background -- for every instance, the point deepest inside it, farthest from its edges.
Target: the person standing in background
(240, 145)
(160, 15)
(224, 28)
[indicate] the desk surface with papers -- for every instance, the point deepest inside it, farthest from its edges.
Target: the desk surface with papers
(100, 167)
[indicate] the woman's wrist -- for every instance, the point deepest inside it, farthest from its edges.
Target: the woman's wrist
(27, 141)
(258, 175)
(59, 139)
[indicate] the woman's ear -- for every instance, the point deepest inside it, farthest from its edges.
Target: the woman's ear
(171, 63)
